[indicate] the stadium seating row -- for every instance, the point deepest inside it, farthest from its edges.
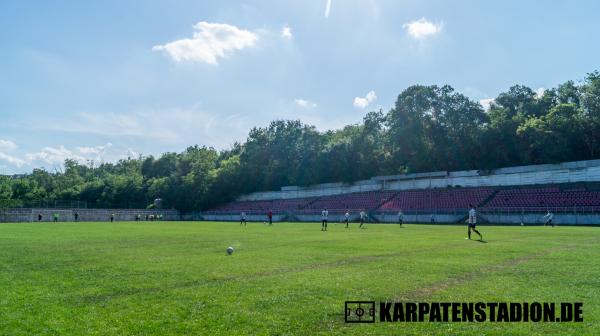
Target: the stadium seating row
(437, 199)
(364, 200)
(549, 197)
(427, 199)
(274, 205)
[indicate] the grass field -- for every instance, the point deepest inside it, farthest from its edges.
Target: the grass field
(170, 278)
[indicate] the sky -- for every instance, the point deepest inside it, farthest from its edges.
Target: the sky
(106, 80)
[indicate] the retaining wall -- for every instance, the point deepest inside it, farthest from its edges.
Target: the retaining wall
(85, 215)
(440, 218)
(567, 172)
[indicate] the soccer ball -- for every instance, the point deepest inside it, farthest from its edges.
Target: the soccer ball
(230, 250)
(522, 224)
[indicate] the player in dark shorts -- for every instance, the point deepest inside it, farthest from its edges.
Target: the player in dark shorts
(473, 222)
(347, 218)
(39, 217)
(243, 219)
(76, 216)
(270, 215)
(549, 216)
(363, 217)
(324, 215)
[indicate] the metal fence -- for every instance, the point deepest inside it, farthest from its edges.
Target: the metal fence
(434, 211)
(69, 204)
(574, 210)
(14, 215)
(509, 216)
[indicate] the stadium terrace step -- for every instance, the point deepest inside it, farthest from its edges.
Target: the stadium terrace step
(434, 200)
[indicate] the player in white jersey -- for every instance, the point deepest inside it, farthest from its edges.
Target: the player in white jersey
(473, 222)
(347, 218)
(549, 216)
(363, 218)
(243, 218)
(400, 218)
(324, 215)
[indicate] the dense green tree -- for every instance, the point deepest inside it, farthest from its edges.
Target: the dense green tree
(5, 188)
(429, 128)
(406, 124)
(554, 136)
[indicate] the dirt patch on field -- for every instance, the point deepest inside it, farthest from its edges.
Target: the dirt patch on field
(423, 293)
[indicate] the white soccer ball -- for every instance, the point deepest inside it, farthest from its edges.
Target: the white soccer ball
(230, 250)
(522, 224)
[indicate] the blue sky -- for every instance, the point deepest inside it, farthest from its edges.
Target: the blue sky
(109, 79)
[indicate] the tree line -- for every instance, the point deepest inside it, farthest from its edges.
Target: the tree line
(429, 128)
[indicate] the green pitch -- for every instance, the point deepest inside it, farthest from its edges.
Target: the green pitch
(169, 278)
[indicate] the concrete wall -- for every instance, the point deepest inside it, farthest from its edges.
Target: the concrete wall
(588, 174)
(319, 190)
(536, 219)
(568, 172)
(85, 215)
(440, 218)
(236, 218)
(547, 167)
(420, 218)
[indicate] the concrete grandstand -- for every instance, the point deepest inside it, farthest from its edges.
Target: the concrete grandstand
(512, 195)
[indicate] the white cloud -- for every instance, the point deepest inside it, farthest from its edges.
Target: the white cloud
(144, 124)
(486, 103)
(539, 92)
(210, 42)
(286, 32)
(7, 145)
(129, 154)
(11, 159)
(327, 8)
(83, 154)
(305, 103)
(54, 156)
(97, 153)
(93, 150)
(179, 126)
(132, 153)
(422, 28)
(361, 102)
